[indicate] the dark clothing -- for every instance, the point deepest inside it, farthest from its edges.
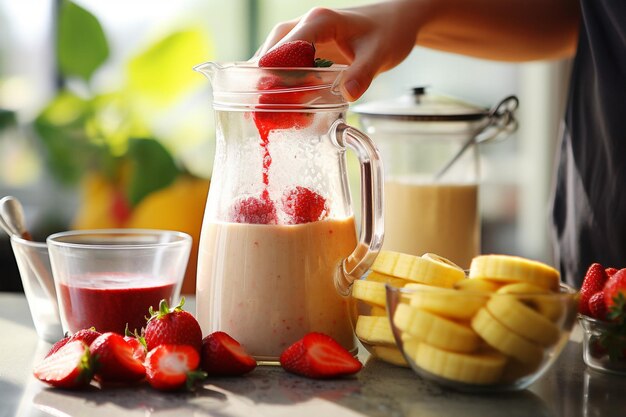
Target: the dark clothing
(589, 211)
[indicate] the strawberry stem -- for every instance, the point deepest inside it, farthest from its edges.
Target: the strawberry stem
(193, 377)
(322, 63)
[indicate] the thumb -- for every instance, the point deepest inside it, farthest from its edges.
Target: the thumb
(359, 75)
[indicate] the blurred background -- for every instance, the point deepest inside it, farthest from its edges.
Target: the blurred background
(104, 124)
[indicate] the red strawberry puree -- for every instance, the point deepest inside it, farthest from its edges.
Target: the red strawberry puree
(109, 309)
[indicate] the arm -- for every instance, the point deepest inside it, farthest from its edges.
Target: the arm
(377, 37)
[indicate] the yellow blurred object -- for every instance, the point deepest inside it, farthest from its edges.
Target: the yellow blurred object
(96, 207)
(180, 206)
(177, 207)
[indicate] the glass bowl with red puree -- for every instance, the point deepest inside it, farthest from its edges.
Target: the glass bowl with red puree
(110, 278)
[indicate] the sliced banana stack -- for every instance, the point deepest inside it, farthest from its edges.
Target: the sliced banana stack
(398, 270)
(493, 327)
(510, 269)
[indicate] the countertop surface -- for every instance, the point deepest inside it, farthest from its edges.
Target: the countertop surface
(569, 389)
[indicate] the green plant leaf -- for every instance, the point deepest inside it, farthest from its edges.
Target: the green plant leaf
(163, 73)
(152, 168)
(7, 119)
(61, 127)
(81, 43)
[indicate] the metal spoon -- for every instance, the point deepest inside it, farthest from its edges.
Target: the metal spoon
(12, 213)
(501, 121)
(12, 220)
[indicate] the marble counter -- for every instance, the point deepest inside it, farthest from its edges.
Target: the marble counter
(568, 390)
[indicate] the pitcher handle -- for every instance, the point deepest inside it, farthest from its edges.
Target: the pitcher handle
(372, 222)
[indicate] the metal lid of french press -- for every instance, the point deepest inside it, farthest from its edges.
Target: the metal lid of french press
(423, 107)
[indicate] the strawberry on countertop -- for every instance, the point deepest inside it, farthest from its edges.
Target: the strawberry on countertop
(70, 367)
(170, 367)
(223, 355)
(137, 343)
(114, 359)
(85, 335)
(317, 355)
(172, 327)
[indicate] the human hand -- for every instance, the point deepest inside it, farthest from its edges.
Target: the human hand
(372, 39)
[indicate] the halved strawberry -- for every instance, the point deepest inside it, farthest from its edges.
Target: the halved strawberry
(223, 355)
(58, 345)
(115, 361)
(304, 205)
(69, 367)
(85, 335)
(318, 355)
(594, 281)
(170, 367)
(172, 326)
(137, 342)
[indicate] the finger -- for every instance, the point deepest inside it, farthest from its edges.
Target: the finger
(319, 25)
(360, 74)
(276, 34)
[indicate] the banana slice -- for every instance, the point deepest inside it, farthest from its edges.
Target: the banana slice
(446, 302)
(374, 330)
(523, 320)
(435, 330)
(386, 279)
(436, 258)
(378, 311)
(478, 368)
(369, 291)
(551, 308)
(503, 339)
(510, 269)
(390, 354)
(427, 270)
(476, 284)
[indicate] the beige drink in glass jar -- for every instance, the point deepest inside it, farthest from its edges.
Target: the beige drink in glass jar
(441, 218)
(429, 144)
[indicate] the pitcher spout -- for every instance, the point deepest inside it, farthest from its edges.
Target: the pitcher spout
(208, 69)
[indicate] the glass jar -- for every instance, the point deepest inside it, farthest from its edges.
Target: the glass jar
(432, 171)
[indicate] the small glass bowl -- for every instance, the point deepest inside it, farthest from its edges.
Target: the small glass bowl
(476, 341)
(604, 347)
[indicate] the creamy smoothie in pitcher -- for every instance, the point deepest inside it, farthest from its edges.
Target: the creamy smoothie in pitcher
(269, 285)
(433, 217)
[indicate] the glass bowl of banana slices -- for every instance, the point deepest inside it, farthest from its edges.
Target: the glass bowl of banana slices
(497, 328)
(370, 319)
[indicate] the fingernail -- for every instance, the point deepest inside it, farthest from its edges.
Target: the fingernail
(352, 89)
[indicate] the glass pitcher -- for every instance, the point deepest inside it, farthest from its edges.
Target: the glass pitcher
(278, 247)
